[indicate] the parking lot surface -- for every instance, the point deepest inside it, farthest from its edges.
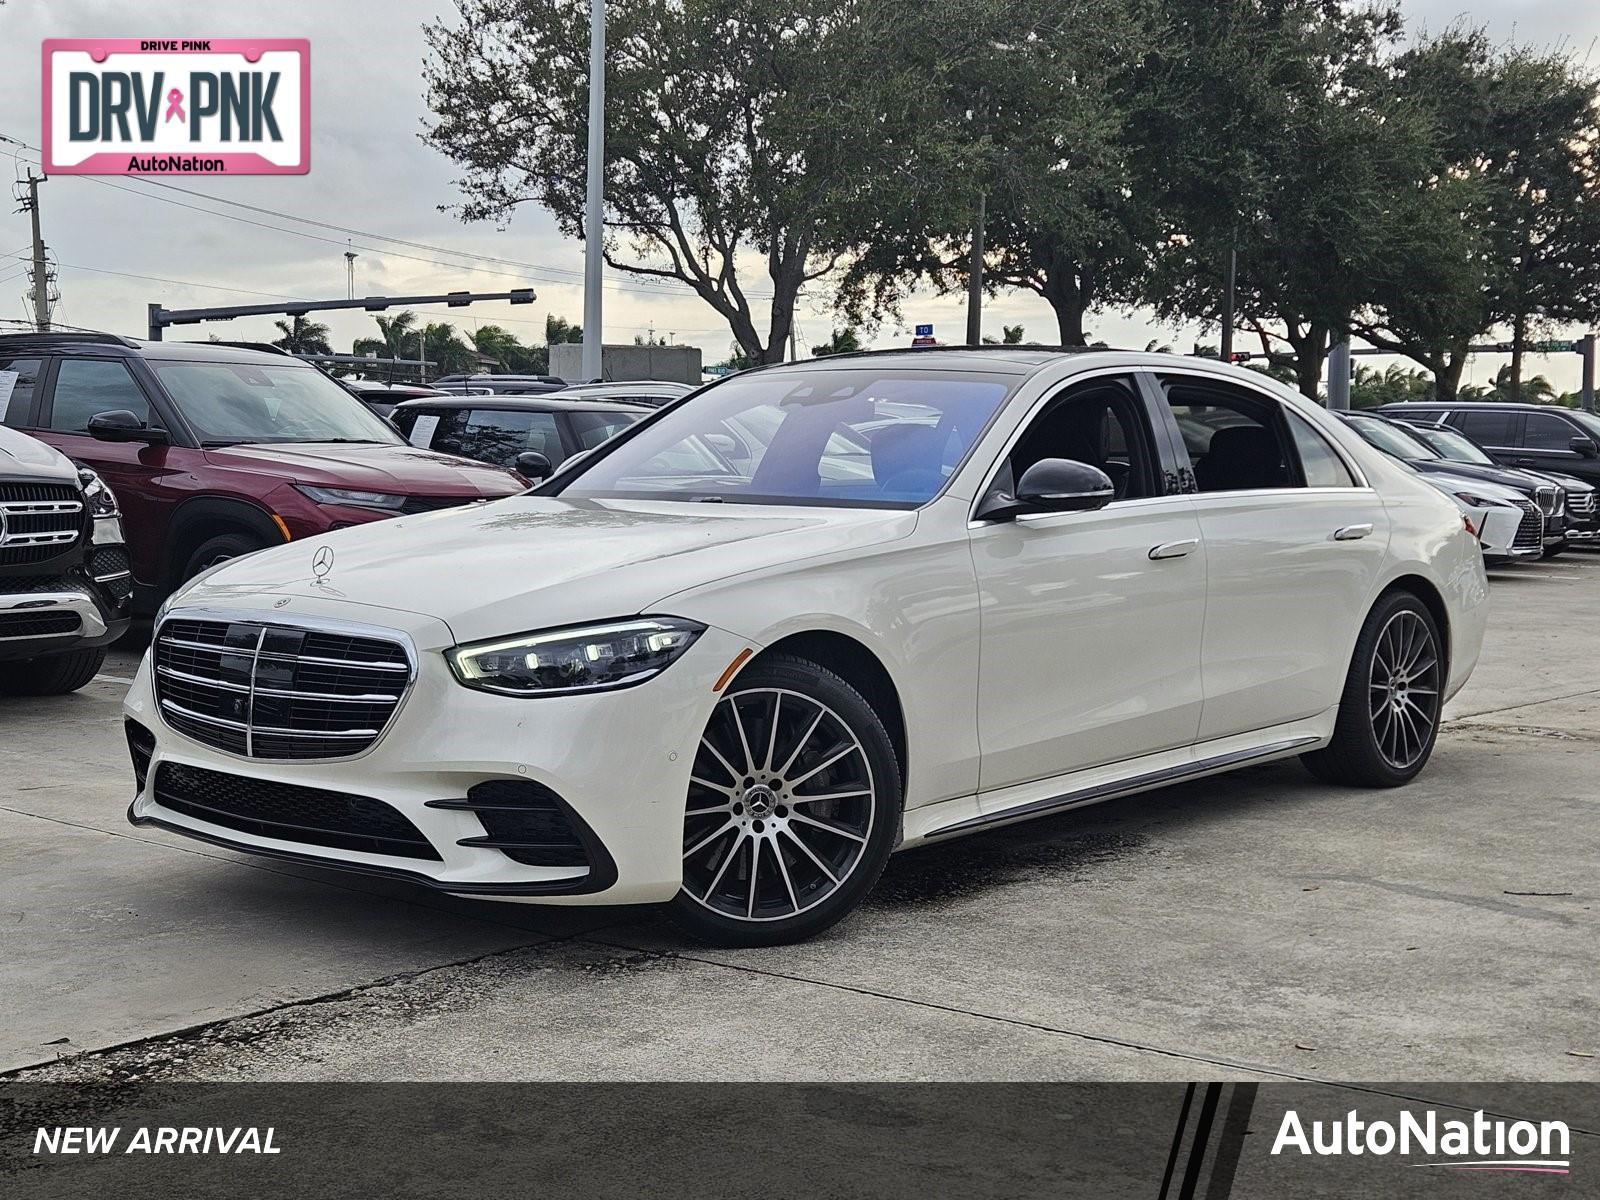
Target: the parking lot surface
(1255, 925)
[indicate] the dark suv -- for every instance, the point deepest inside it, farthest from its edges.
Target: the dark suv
(64, 585)
(1540, 437)
(214, 451)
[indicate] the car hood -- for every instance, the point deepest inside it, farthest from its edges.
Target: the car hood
(535, 562)
(1519, 481)
(1450, 484)
(19, 452)
(1569, 483)
(370, 466)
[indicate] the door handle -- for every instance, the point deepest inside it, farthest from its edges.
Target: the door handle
(1173, 549)
(1351, 533)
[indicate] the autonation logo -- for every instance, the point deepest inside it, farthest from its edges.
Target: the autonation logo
(1479, 1144)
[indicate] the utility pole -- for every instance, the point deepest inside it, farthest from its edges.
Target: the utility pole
(594, 209)
(975, 276)
(1586, 348)
(1226, 351)
(40, 272)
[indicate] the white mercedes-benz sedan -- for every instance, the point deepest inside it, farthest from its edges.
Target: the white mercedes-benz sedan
(736, 656)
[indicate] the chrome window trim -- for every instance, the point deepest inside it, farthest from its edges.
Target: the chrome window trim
(315, 624)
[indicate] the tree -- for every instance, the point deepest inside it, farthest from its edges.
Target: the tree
(509, 354)
(1011, 335)
(842, 341)
(397, 337)
(301, 336)
(1395, 384)
(1276, 141)
(1507, 222)
(1018, 110)
(733, 148)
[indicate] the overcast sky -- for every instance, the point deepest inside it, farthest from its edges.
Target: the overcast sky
(370, 172)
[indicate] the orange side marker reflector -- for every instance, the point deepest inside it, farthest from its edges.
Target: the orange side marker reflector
(738, 661)
(282, 528)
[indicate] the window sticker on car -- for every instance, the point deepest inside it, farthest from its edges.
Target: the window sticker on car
(8, 381)
(422, 431)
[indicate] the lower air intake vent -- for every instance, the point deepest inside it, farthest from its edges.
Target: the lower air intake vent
(525, 821)
(289, 812)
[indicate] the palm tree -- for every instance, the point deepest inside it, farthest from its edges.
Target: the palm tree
(843, 341)
(301, 336)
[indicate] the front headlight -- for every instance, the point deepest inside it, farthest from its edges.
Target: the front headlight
(1472, 501)
(349, 498)
(102, 500)
(587, 659)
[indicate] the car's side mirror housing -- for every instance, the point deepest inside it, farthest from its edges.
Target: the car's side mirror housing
(533, 466)
(1053, 485)
(1584, 446)
(120, 425)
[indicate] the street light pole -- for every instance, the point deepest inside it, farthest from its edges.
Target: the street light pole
(594, 210)
(975, 275)
(1227, 303)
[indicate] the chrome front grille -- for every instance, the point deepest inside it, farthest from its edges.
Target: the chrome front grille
(1530, 532)
(38, 521)
(1581, 504)
(1548, 500)
(263, 690)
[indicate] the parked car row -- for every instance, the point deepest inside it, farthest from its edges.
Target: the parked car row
(214, 451)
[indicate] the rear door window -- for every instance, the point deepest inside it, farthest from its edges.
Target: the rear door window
(1235, 437)
(1486, 428)
(18, 376)
(88, 386)
(1318, 460)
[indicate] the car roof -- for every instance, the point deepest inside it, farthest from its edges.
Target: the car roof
(613, 385)
(115, 345)
(1475, 405)
(514, 403)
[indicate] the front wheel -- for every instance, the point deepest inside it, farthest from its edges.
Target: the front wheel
(219, 549)
(793, 808)
(51, 674)
(1393, 693)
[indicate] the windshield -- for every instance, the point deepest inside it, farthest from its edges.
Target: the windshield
(1391, 439)
(859, 438)
(227, 403)
(1457, 447)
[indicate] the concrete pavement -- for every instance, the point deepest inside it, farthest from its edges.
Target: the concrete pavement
(1256, 925)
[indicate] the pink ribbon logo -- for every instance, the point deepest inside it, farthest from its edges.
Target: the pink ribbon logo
(175, 105)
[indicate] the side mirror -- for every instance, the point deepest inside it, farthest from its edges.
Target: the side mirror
(1584, 446)
(1064, 485)
(120, 425)
(533, 466)
(1053, 485)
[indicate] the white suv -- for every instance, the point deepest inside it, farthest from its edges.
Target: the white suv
(950, 589)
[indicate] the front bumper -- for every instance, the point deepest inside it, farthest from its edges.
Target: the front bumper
(95, 594)
(620, 760)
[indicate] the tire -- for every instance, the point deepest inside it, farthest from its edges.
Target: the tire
(219, 549)
(51, 674)
(1389, 710)
(759, 871)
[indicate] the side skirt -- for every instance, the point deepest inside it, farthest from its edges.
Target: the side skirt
(1113, 788)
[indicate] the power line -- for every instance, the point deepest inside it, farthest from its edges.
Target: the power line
(551, 274)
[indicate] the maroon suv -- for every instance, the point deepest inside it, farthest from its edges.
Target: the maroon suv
(215, 451)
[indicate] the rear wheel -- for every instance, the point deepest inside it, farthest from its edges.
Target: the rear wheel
(51, 674)
(1389, 713)
(793, 808)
